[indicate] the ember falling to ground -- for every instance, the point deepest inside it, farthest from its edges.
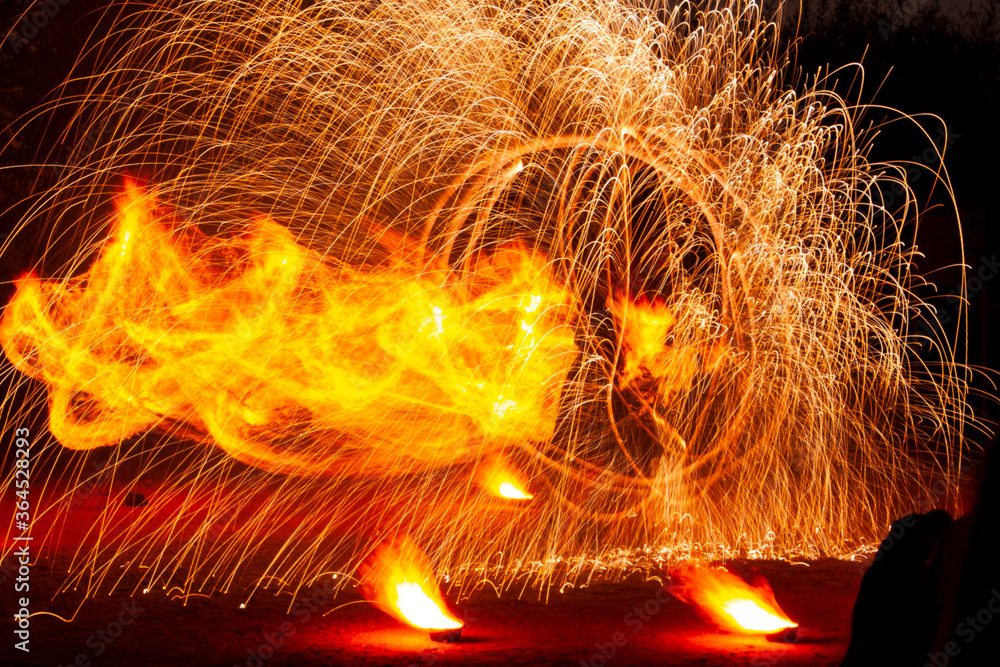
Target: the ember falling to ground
(518, 295)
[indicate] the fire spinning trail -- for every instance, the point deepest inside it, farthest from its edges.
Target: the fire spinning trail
(540, 285)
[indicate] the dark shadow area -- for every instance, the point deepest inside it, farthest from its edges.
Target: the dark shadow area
(932, 596)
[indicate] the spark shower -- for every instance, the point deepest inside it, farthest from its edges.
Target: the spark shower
(545, 286)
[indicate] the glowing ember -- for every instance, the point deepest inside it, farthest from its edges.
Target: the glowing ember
(419, 610)
(500, 478)
(646, 329)
(398, 578)
(508, 490)
(750, 615)
(731, 602)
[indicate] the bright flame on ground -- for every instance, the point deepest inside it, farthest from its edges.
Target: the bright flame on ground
(508, 490)
(750, 615)
(731, 602)
(500, 478)
(398, 578)
(420, 610)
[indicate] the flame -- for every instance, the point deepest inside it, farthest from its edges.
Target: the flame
(500, 478)
(750, 615)
(237, 336)
(654, 344)
(731, 602)
(399, 579)
(419, 608)
(508, 490)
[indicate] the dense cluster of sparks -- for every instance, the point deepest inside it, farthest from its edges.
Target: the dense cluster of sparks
(526, 281)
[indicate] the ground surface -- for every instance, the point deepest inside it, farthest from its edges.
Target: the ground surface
(322, 629)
